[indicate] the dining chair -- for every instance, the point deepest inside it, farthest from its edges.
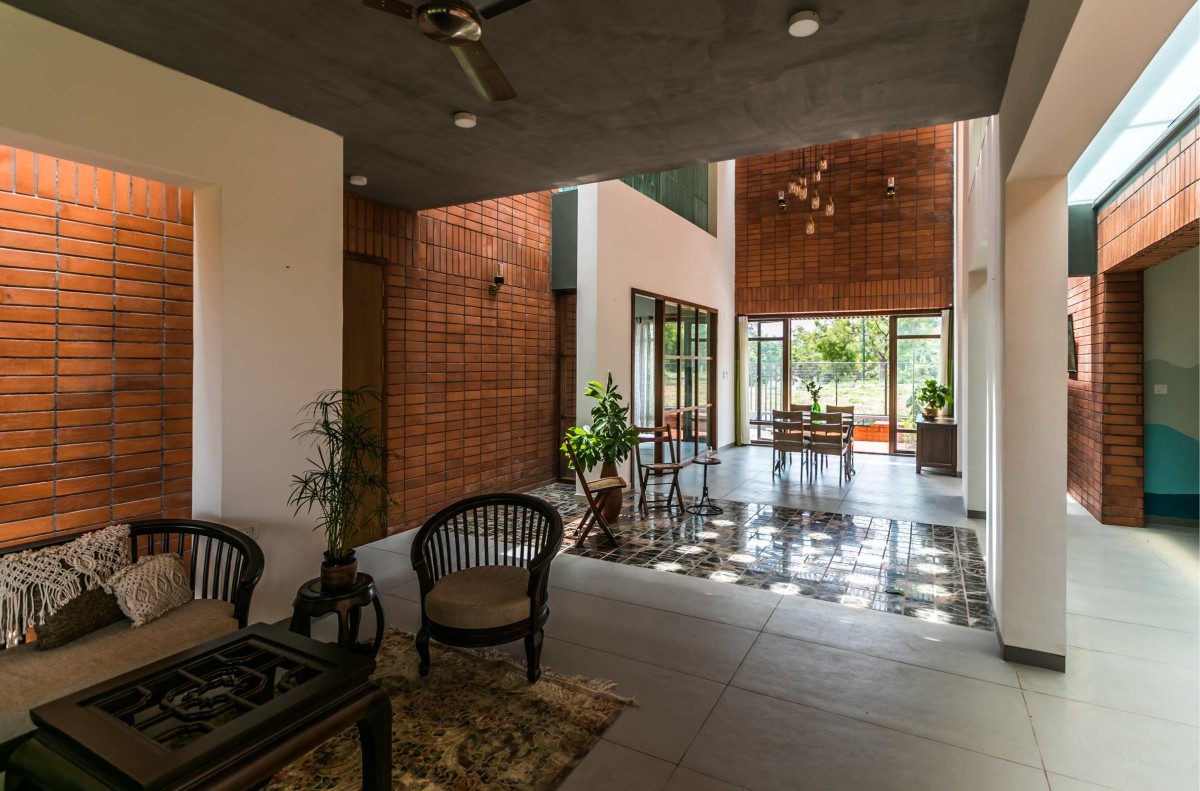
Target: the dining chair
(788, 435)
(658, 473)
(847, 413)
(827, 437)
(596, 493)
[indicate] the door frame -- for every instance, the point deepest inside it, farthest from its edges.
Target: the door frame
(890, 384)
(382, 263)
(660, 359)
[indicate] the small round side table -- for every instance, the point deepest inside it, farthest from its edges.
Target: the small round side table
(704, 506)
(312, 602)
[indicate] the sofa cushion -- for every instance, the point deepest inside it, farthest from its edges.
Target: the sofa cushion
(150, 588)
(480, 598)
(88, 612)
(32, 678)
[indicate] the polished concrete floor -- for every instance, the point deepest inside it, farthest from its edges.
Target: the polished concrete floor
(743, 688)
(885, 486)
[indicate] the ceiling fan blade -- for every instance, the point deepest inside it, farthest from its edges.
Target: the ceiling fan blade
(391, 6)
(483, 72)
(499, 7)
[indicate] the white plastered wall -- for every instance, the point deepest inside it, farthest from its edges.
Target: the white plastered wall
(268, 323)
(628, 241)
(1073, 64)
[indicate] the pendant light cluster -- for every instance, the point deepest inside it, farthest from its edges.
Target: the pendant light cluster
(806, 187)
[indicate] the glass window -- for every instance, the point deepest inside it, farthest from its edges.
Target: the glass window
(670, 384)
(687, 330)
(671, 329)
(918, 325)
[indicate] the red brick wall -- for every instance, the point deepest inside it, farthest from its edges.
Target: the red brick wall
(471, 380)
(1104, 399)
(1157, 216)
(95, 347)
(1153, 219)
(874, 254)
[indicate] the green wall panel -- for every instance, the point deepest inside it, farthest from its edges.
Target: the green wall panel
(682, 190)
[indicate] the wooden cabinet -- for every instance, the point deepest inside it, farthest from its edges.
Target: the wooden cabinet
(937, 445)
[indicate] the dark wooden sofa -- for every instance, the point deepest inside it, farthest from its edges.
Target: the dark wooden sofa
(224, 564)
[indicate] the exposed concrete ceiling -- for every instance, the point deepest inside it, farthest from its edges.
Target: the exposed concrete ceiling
(605, 87)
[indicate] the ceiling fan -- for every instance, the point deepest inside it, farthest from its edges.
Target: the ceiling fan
(459, 25)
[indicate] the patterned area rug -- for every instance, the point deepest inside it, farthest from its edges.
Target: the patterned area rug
(473, 723)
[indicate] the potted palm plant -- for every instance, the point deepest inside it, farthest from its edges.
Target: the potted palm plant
(933, 398)
(608, 441)
(346, 481)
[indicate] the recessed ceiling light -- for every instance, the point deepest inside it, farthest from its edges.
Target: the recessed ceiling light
(804, 23)
(358, 181)
(464, 120)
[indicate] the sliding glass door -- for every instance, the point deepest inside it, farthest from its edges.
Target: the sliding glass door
(766, 364)
(917, 354)
(674, 356)
(875, 364)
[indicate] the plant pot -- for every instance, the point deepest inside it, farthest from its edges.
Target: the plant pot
(930, 412)
(612, 502)
(339, 574)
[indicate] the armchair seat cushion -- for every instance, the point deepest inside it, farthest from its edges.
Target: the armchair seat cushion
(480, 598)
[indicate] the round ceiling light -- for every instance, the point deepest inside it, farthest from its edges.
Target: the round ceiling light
(358, 181)
(804, 23)
(465, 120)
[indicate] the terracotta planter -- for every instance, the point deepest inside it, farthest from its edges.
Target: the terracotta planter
(930, 412)
(612, 503)
(339, 574)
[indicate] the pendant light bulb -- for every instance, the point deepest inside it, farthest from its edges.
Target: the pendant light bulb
(816, 200)
(811, 226)
(829, 208)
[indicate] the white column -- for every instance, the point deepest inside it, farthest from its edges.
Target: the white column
(1031, 423)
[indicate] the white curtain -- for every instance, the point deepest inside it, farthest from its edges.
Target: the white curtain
(742, 386)
(643, 372)
(946, 370)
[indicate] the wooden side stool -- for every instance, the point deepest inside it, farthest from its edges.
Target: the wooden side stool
(312, 601)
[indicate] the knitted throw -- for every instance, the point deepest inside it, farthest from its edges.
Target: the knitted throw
(36, 583)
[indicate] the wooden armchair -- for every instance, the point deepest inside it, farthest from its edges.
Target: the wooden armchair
(483, 565)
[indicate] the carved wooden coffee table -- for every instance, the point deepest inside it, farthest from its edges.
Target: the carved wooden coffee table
(227, 714)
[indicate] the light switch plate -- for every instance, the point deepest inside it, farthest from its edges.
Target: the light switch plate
(1160, 390)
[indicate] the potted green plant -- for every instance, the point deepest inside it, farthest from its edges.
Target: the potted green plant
(608, 441)
(933, 398)
(346, 482)
(814, 394)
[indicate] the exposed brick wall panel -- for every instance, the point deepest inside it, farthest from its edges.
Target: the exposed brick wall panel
(95, 347)
(1104, 398)
(1157, 217)
(874, 254)
(471, 376)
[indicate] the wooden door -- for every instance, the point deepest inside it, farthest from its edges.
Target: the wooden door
(363, 359)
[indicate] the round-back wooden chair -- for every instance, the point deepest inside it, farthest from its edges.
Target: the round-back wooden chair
(483, 565)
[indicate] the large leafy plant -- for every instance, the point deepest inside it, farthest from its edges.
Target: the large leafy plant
(346, 482)
(934, 395)
(610, 439)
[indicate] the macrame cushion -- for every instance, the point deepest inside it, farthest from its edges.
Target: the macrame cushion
(86, 613)
(153, 586)
(37, 583)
